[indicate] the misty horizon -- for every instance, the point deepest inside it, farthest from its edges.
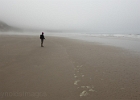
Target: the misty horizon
(120, 16)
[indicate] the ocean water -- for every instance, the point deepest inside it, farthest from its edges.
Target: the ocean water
(129, 42)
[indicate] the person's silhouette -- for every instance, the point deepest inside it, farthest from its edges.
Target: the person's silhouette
(42, 39)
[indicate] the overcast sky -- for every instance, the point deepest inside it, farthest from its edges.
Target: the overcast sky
(84, 15)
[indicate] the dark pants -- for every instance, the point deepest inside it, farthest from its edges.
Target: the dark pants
(42, 42)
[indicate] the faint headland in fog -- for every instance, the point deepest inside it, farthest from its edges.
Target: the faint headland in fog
(4, 27)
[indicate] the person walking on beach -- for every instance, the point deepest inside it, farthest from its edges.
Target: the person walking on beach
(42, 39)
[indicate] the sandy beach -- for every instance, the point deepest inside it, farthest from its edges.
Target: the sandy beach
(66, 69)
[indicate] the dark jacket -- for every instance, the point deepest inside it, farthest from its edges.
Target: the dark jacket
(42, 36)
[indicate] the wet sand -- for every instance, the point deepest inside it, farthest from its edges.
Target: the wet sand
(66, 69)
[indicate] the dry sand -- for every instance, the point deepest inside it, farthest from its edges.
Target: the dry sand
(66, 69)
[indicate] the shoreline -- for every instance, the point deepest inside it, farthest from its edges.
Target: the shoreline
(127, 43)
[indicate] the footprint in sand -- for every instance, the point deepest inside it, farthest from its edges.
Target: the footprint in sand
(84, 93)
(76, 82)
(78, 75)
